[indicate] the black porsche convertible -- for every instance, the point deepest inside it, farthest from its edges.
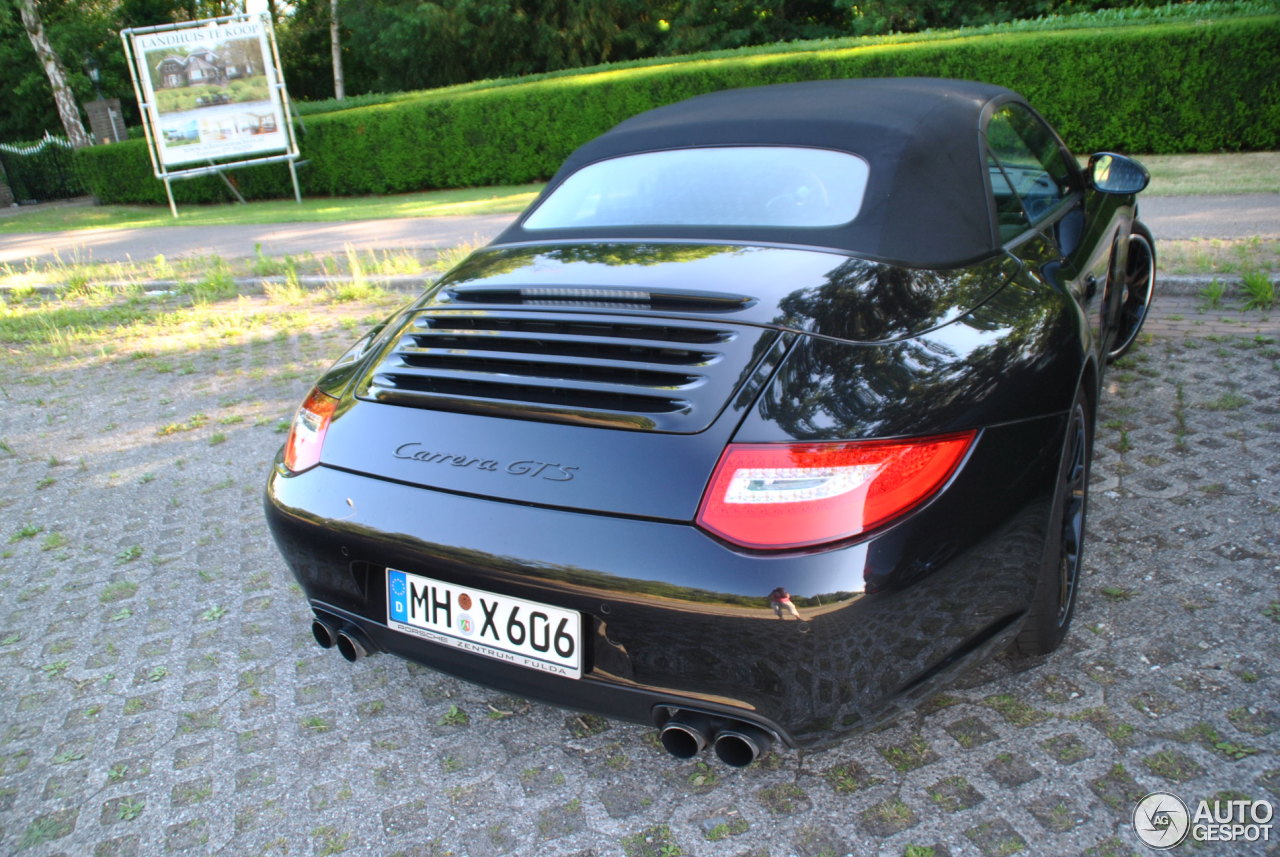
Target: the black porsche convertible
(771, 412)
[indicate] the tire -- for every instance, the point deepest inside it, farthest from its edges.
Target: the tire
(1054, 601)
(1139, 287)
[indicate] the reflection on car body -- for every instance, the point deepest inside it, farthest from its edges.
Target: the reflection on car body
(827, 353)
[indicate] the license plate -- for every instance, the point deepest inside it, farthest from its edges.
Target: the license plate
(525, 633)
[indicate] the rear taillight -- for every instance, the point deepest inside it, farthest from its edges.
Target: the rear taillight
(306, 437)
(783, 495)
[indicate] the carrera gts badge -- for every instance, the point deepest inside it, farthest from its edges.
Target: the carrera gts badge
(549, 471)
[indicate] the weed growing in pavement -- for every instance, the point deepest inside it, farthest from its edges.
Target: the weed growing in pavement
(120, 589)
(26, 531)
(56, 668)
(316, 723)
(195, 422)
(44, 829)
(1260, 292)
(1226, 402)
(1212, 294)
(450, 257)
(330, 841)
(290, 291)
(214, 613)
(358, 287)
(129, 809)
(161, 269)
(455, 716)
(265, 266)
(129, 554)
(355, 267)
(217, 285)
(383, 263)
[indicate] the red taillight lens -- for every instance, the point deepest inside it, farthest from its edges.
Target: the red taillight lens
(306, 437)
(772, 495)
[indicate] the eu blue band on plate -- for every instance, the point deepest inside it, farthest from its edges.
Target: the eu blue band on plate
(398, 590)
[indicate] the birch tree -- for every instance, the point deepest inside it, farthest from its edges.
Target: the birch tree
(62, 95)
(335, 44)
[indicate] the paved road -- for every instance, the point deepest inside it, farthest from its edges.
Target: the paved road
(1169, 218)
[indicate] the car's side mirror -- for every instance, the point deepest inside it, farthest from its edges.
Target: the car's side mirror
(1111, 173)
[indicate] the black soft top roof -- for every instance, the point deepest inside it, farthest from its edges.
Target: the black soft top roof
(926, 203)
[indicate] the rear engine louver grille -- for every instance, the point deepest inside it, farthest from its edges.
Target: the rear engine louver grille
(652, 374)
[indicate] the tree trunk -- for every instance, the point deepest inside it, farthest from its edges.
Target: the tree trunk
(335, 41)
(62, 95)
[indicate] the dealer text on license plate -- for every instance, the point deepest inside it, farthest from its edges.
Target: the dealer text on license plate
(509, 629)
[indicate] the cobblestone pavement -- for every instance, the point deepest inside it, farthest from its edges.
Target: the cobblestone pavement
(160, 693)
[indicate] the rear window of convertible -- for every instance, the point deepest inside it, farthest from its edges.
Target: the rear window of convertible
(781, 186)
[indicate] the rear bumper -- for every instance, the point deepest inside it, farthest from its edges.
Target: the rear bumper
(673, 617)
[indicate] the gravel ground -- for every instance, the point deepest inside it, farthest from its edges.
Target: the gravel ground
(160, 693)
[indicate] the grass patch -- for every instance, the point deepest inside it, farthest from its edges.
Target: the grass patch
(1212, 294)
(1189, 175)
(1226, 402)
(129, 554)
(655, 841)
(1209, 256)
(26, 531)
(501, 199)
(455, 716)
(119, 590)
(195, 422)
(167, 333)
(1014, 710)
(1259, 291)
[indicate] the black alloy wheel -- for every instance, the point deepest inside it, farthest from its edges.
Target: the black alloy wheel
(1139, 287)
(1053, 604)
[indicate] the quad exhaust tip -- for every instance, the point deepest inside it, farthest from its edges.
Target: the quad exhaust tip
(735, 742)
(352, 645)
(325, 632)
(350, 641)
(686, 734)
(740, 744)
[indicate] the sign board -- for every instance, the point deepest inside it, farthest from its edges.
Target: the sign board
(210, 91)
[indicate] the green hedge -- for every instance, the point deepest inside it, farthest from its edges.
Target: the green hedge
(1166, 88)
(41, 170)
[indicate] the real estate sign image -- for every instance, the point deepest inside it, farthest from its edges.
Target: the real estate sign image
(211, 90)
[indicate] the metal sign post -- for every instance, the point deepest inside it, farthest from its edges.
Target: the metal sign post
(211, 93)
